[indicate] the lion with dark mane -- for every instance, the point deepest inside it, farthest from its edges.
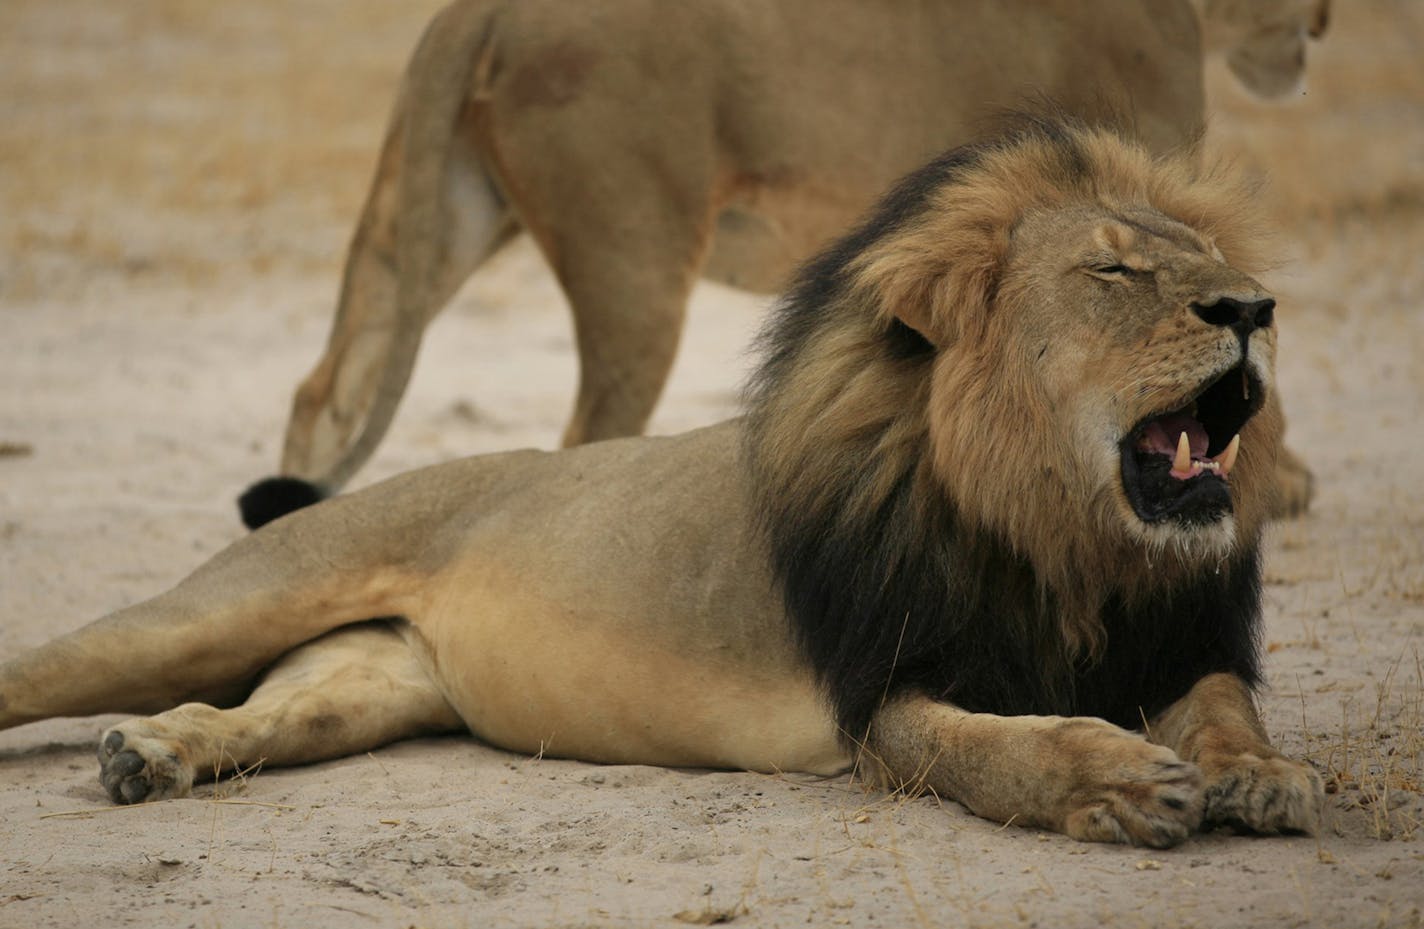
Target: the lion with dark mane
(991, 526)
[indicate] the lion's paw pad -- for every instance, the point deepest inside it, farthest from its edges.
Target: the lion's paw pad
(134, 767)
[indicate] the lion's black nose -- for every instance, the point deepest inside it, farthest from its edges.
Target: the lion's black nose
(1245, 316)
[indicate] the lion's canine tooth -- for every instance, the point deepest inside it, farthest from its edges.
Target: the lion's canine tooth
(1227, 458)
(1183, 462)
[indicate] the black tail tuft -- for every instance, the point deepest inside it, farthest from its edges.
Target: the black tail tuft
(273, 497)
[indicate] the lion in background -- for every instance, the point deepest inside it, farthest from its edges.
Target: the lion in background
(996, 504)
(643, 145)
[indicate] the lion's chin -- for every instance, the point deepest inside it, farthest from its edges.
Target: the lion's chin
(1176, 465)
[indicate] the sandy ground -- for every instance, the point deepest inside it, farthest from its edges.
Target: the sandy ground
(177, 181)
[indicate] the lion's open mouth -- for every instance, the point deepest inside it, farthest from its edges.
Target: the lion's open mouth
(1177, 465)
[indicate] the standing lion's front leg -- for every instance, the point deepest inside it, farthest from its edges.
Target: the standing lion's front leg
(1083, 777)
(1249, 784)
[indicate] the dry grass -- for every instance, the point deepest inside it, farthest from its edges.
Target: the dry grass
(235, 123)
(1373, 762)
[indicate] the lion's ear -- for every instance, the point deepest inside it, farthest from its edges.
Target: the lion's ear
(901, 284)
(938, 276)
(943, 300)
(920, 318)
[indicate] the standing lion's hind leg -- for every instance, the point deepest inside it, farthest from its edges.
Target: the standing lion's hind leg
(349, 691)
(1295, 486)
(628, 296)
(626, 225)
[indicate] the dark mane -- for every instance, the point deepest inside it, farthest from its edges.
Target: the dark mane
(887, 585)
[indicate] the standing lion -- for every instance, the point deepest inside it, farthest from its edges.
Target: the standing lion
(644, 144)
(991, 527)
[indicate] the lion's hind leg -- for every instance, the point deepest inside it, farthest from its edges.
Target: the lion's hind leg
(1080, 776)
(626, 250)
(1248, 784)
(348, 691)
(1295, 486)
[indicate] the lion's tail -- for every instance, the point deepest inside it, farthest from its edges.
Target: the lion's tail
(436, 85)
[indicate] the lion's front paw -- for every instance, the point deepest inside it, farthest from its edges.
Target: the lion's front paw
(1262, 794)
(135, 766)
(1126, 789)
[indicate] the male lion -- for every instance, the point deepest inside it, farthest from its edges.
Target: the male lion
(643, 145)
(997, 501)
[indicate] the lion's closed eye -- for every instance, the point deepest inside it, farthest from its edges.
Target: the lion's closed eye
(1110, 271)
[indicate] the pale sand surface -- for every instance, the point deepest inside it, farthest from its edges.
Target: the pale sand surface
(177, 181)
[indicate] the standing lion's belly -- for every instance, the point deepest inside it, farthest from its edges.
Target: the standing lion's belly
(566, 678)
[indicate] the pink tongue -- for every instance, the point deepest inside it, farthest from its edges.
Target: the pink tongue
(1161, 435)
